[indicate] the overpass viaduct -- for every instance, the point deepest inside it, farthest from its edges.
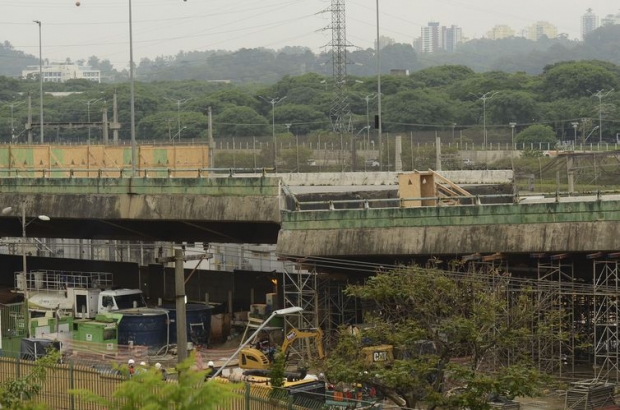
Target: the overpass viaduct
(261, 209)
(232, 210)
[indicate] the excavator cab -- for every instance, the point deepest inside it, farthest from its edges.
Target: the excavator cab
(258, 356)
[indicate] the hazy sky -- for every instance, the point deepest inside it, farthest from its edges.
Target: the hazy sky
(165, 27)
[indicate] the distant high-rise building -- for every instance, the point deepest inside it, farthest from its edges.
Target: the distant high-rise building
(541, 28)
(385, 41)
(500, 31)
(589, 23)
(435, 38)
(610, 19)
(451, 37)
(431, 37)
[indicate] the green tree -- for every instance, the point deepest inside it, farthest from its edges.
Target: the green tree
(575, 79)
(535, 134)
(442, 76)
(149, 391)
(509, 106)
(431, 318)
(416, 108)
(18, 394)
(240, 121)
(303, 119)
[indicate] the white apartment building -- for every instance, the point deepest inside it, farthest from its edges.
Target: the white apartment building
(589, 23)
(431, 37)
(500, 31)
(541, 28)
(435, 38)
(59, 73)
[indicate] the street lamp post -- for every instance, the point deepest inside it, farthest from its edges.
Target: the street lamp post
(593, 129)
(40, 80)
(88, 103)
(9, 210)
(179, 103)
(575, 125)
(178, 133)
(599, 94)
(273, 102)
(354, 154)
(280, 312)
(512, 134)
(12, 106)
(368, 98)
(484, 97)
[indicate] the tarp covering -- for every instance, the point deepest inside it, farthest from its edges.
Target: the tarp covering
(32, 349)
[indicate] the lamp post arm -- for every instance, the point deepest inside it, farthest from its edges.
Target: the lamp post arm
(244, 344)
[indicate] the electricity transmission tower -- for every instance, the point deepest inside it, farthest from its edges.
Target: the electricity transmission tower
(340, 111)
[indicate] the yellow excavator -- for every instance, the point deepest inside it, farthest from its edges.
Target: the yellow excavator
(260, 356)
(378, 354)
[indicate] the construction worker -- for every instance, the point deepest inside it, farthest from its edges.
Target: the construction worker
(159, 367)
(210, 369)
(130, 364)
(143, 368)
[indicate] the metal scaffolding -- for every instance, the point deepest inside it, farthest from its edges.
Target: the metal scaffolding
(335, 307)
(573, 330)
(555, 296)
(299, 287)
(606, 342)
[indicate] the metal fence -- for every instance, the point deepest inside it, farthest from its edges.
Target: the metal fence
(62, 378)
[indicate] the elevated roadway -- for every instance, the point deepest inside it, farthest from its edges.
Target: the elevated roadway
(541, 225)
(235, 210)
(265, 209)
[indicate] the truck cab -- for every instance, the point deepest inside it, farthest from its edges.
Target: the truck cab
(111, 300)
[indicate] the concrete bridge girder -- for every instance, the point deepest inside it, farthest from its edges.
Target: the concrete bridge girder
(222, 210)
(576, 237)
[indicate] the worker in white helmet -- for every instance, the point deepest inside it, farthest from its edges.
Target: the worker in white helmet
(143, 368)
(210, 369)
(130, 364)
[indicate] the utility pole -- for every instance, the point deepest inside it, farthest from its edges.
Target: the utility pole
(181, 297)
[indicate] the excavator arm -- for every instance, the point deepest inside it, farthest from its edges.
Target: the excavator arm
(295, 334)
(252, 358)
